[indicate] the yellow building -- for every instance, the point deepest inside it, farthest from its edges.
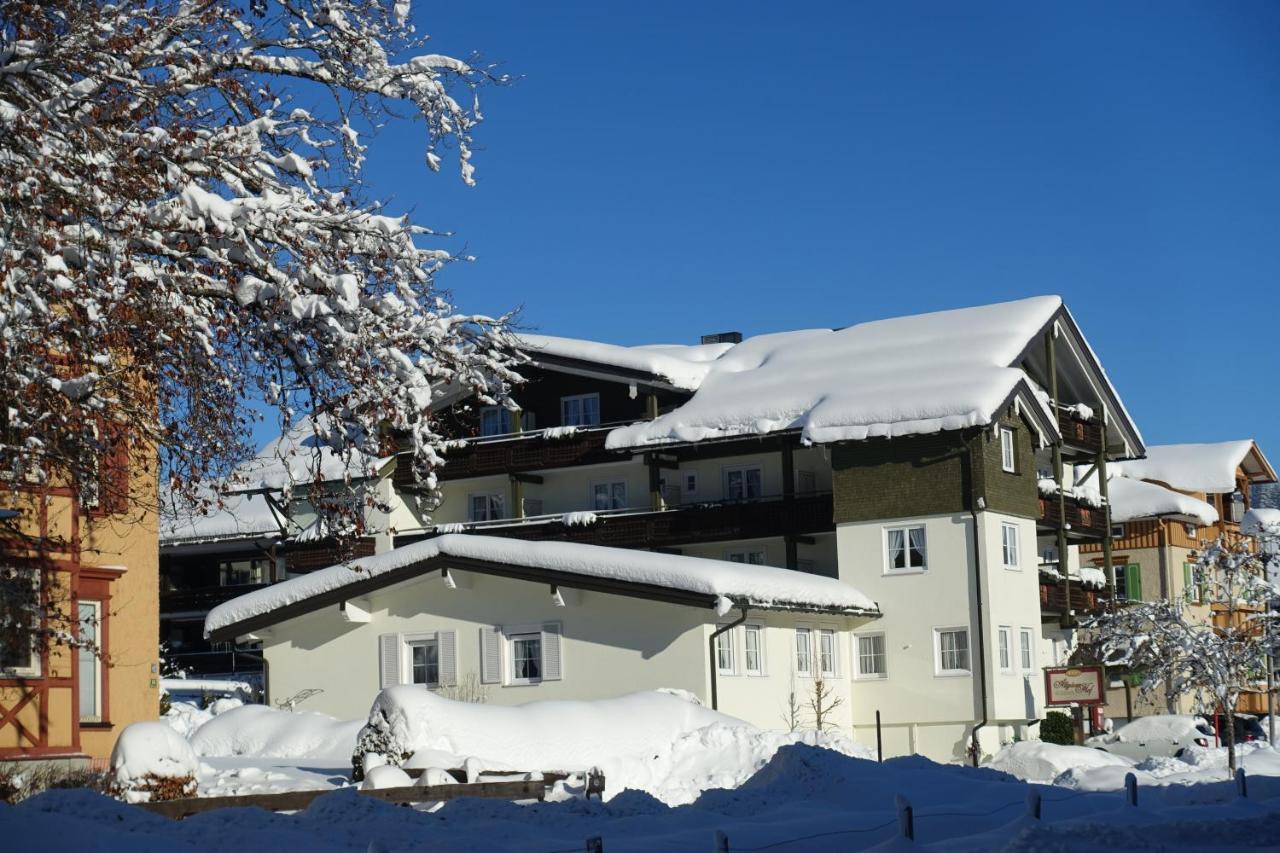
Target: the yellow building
(94, 558)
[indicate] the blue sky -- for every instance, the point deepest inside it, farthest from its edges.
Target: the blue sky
(666, 169)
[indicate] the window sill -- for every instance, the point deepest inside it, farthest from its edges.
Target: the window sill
(888, 573)
(1013, 568)
(97, 726)
(523, 683)
(871, 678)
(954, 673)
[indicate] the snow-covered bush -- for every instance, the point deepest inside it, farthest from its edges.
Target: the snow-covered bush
(259, 731)
(152, 762)
(1056, 727)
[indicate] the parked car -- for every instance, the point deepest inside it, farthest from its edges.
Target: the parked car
(1246, 725)
(1160, 735)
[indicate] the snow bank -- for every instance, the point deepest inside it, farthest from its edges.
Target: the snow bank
(1037, 761)
(907, 375)
(1192, 467)
(259, 731)
(149, 751)
(757, 586)
(654, 741)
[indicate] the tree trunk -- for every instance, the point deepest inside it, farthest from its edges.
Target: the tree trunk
(1229, 720)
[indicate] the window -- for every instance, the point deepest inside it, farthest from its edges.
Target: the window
(1005, 635)
(1128, 582)
(953, 651)
(1009, 545)
(485, 507)
(1191, 530)
(724, 653)
(1008, 456)
(580, 410)
(906, 549)
(755, 558)
(753, 643)
(742, 483)
(89, 675)
(19, 618)
(498, 420)
(526, 658)
(424, 662)
(1028, 658)
(690, 483)
(1190, 584)
(804, 651)
(806, 482)
(827, 652)
(608, 496)
(871, 662)
(242, 572)
(1117, 531)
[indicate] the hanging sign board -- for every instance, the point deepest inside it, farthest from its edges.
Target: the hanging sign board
(1078, 685)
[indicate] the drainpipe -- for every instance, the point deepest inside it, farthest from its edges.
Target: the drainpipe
(982, 634)
(715, 664)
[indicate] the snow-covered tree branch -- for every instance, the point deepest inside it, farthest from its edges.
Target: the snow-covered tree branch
(178, 238)
(1211, 654)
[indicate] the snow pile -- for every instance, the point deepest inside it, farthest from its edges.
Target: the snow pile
(579, 519)
(1037, 761)
(1261, 521)
(757, 586)
(907, 375)
(1156, 727)
(185, 717)
(1192, 467)
(262, 732)
(147, 753)
(655, 741)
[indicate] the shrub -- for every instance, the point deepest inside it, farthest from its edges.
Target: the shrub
(1058, 728)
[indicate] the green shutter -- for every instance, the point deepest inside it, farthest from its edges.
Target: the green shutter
(1133, 581)
(1187, 582)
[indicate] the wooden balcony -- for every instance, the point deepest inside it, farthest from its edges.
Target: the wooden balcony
(515, 454)
(684, 525)
(1083, 522)
(201, 599)
(1078, 435)
(1083, 600)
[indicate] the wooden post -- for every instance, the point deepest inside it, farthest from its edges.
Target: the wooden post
(722, 842)
(1033, 804)
(1051, 359)
(651, 406)
(1131, 789)
(906, 818)
(1242, 784)
(595, 844)
(1101, 468)
(879, 743)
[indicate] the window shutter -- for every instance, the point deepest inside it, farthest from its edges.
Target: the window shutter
(551, 669)
(1133, 582)
(490, 656)
(447, 646)
(389, 660)
(1188, 584)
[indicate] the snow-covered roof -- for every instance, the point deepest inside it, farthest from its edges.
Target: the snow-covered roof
(1261, 520)
(683, 367)
(1133, 499)
(297, 457)
(726, 583)
(906, 375)
(240, 516)
(1201, 467)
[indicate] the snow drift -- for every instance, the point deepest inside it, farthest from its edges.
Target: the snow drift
(259, 731)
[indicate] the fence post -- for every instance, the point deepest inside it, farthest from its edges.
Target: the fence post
(906, 818)
(722, 842)
(1242, 784)
(595, 844)
(1033, 804)
(1131, 789)
(879, 745)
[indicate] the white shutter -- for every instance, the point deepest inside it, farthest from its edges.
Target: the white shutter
(388, 660)
(447, 647)
(551, 667)
(490, 656)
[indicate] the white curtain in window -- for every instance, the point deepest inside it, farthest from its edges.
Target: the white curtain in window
(897, 549)
(917, 547)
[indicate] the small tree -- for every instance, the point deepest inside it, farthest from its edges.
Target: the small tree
(822, 702)
(1212, 661)
(792, 707)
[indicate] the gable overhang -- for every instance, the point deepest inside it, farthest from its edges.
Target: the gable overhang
(1257, 467)
(550, 577)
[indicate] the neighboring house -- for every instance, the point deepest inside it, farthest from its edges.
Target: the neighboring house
(520, 621)
(906, 458)
(1163, 508)
(93, 557)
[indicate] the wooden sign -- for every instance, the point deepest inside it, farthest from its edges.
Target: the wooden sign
(1078, 685)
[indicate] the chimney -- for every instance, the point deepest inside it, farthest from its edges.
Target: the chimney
(723, 338)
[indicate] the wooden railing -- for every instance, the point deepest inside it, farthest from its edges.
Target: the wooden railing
(1084, 522)
(535, 452)
(1079, 434)
(1053, 598)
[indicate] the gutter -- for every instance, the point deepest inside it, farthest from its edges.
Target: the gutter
(715, 664)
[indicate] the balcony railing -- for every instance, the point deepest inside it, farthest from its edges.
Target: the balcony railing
(1083, 522)
(1079, 434)
(556, 447)
(1053, 598)
(202, 599)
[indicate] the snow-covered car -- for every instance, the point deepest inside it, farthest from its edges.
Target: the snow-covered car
(1246, 725)
(1159, 735)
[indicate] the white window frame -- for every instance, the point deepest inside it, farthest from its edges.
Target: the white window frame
(1008, 529)
(938, 669)
(33, 667)
(1004, 648)
(1027, 650)
(609, 486)
(828, 632)
(95, 655)
(579, 399)
(744, 555)
(859, 673)
(1008, 451)
(492, 498)
(726, 643)
(742, 469)
(761, 666)
(407, 644)
(509, 638)
(807, 633)
(905, 529)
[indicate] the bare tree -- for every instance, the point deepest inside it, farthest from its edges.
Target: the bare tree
(1211, 660)
(822, 702)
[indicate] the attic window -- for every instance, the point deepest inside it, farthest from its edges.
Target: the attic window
(1008, 456)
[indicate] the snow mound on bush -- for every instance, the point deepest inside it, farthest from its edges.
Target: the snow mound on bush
(150, 751)
(261, 732)
(655, 741)
(1037, 761)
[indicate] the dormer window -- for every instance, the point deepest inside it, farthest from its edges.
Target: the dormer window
(1008, 454)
